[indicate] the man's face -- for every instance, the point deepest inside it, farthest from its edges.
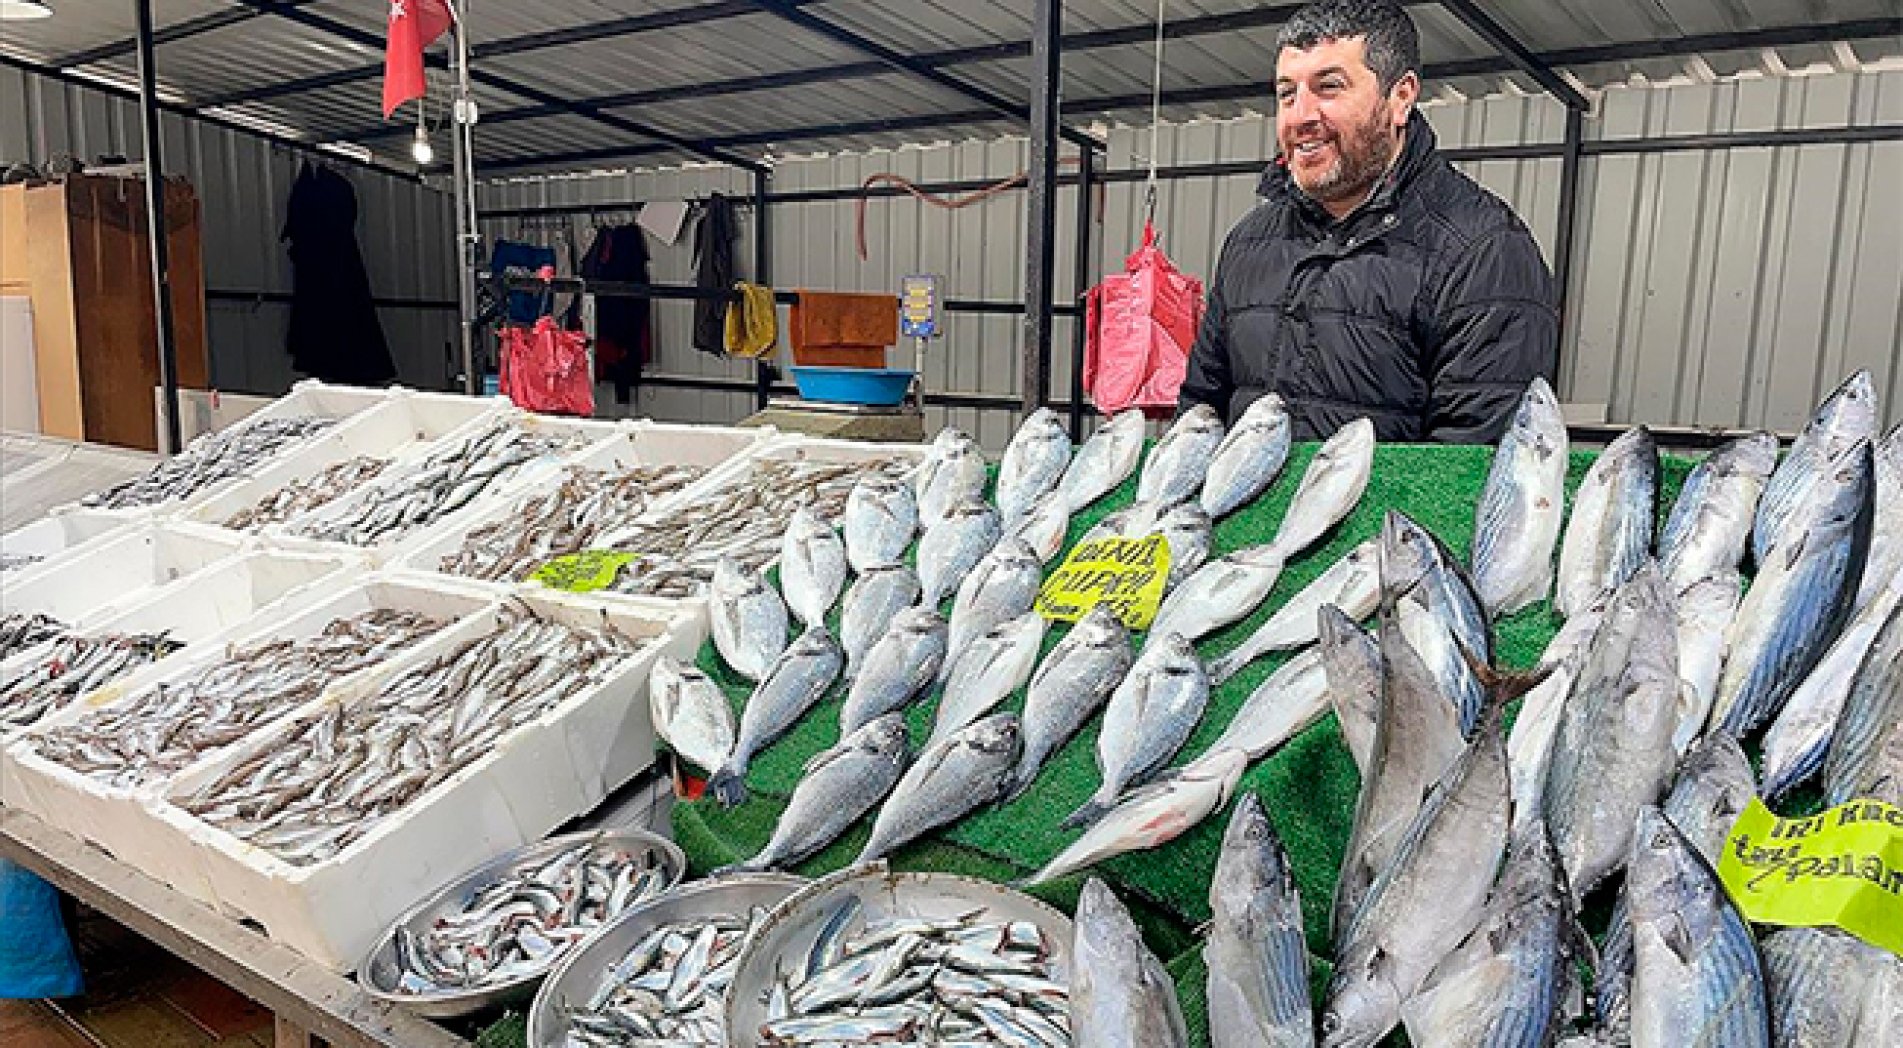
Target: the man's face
(1337, 128)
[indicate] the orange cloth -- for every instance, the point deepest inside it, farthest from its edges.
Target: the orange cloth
(842, 328)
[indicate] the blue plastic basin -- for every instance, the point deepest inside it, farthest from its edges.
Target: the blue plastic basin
(874, 387)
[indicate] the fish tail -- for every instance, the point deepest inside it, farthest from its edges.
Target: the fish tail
(729, 786)
(1090, 811)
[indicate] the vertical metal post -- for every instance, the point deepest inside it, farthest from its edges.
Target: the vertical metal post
(155, 230)
(1041, 239)
(762, 369)
(463, 180)
(1085, 276)
(1568, 207)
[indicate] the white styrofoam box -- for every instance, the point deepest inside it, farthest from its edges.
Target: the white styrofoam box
(398, 428)
(93, 580)
(117, 818)
(540, 775)
(316, 397)
(638, 444)
(51, 536)
(70, 472)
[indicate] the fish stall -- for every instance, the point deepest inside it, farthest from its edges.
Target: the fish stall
(1185, 735)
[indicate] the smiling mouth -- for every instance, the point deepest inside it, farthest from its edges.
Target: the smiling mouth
(1311, 148)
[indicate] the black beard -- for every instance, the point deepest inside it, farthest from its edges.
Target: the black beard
(1364, 158)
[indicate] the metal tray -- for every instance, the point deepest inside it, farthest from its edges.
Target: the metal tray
(783, 942)
(378, 973)
(579, 974)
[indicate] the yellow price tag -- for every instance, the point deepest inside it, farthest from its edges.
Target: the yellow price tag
(1842, 868)
(1127, 574)
(584, 572)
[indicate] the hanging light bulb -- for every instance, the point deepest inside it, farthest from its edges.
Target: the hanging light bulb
(23, 10)
(420, 149)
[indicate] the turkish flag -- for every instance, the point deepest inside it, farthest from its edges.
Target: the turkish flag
(414, 24)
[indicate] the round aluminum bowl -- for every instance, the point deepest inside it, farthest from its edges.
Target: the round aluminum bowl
(579, 974)
(378, 973)
(783, 942)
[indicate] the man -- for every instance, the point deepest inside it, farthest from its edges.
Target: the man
(1373, 279)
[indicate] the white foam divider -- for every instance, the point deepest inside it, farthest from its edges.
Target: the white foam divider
(48, 537)
(93, 580)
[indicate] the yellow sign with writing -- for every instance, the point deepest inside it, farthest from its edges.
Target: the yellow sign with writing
(1127, 574)
(1842, 868)
(584, 572)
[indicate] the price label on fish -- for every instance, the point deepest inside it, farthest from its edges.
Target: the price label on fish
(584, 572)
(1841, 868)
(1127, 574)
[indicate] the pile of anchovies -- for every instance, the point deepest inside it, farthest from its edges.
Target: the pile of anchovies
(162, 730)
(301, 496)
(917, 980)
(444, 482)
(334, 775)
(76, 666)
(526, 919)
(24, 630)
(208, 460)
(745, 521)
(670, 988)
(566, 520)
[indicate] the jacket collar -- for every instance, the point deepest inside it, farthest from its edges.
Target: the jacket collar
(1418, 152)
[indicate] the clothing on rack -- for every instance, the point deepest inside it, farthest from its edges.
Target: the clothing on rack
(515, 258)
(334, 334)
(752, 326)
(713, 271)
(842, 329)
(623, 335)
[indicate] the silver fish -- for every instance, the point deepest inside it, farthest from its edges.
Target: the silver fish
(1150, 716)
(1612, 753)
(1104, 461)
(1436, 609)
(952, 473)
(796, 680)
(949, 780)
(1033, 463)
(1709, 527)
(1256, 953)
(1800, 599)
(988, 671)
(1331, 487)
(1044, 526)
(1847, 416)
(669, 988)
(1286, 702)
(1153, 814)
(1220, 592)
(1003, 586)
(1188, 531)
(812, 567)
(1352, 666)
(747, 618)
(1178, 463)
(1610, 530)
(1696, 977)
(836, 788)
(1427, 899)
(900, 667)
(1827, 989)
(1120, 996)
(1517, 522)
(880, 519)
(951, 549)
(1530, 743)
(1352, 583)
(211, 458)
(1508, 983)
(873, 600)
(691, 713)
(1072, 682)
(1886, 533)
(1866, 753)
(1249, 458)
(1796, 743)
(1706, 609)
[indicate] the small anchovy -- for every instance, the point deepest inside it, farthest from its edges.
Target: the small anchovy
(566, 520)
(73, 667)
(209, 459)
(668, 988)
(306, 494)
(25, 630)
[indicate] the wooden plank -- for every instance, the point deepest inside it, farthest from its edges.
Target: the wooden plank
(299, 991)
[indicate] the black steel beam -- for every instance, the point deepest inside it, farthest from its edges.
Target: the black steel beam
(157, 230)
(179, 31)
(763, 370)
(1083, 275)
(1040, 243)
(1484, 26)
(1573, 145)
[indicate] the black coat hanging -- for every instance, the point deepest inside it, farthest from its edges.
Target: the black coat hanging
(334, 333)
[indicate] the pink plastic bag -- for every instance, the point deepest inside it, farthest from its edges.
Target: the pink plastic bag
(545, 368)
(1139, 325)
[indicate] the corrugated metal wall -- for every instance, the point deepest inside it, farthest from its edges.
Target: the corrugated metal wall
(1724, 288)
(405, 229)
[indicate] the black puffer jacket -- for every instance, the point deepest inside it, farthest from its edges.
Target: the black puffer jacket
(1428, 309)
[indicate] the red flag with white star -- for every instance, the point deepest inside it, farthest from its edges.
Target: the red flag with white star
(414, 24)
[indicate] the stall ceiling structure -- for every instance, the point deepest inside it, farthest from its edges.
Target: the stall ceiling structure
(579, 84)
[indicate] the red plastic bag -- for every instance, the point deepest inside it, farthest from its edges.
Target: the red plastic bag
(545, 368)
(1139, 325)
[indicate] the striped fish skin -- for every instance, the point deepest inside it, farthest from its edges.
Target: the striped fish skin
(1256, 953)
(1845, 417)
(1866, 754)
(1706, 609)
(797, 679)
(1032, 464)
(872, 601)
(1886, 534)
(747, 617)
(1437, 609)
(1800, 599)
(1178, 463)
(1003, 586)
(1331, 487)
(1104, 461)
(1150, 715)
(1829, 990)
(1352, 665)
(1506, 985)
(952, 548)
(1696, 976)
(1530, 743)
(1120, 995)
(1709, 527)
(1352, 583)
(953, 473)
(880, 520)
(1521, 508)
(898, 669)
(1068, 688)
(1249, 458)
(1610, 530)
(812, 567)
(839, 786)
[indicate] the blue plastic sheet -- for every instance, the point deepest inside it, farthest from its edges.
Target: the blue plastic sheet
(36, 957)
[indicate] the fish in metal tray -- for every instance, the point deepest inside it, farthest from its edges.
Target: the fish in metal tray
(668, 988)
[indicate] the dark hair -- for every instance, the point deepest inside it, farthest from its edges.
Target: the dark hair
(1393, 48)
